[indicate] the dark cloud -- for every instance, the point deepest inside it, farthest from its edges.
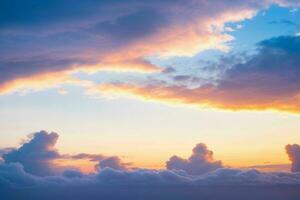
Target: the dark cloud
(135, 25)
(16, 14)
(223, 184)
(52, 36)
(271, 167)
(69, 173)
(37, 155)
(116, 181)
(5, 150)
(293, 152)
(91, 157)
(201, 161)
(267, 79)
(113, 162)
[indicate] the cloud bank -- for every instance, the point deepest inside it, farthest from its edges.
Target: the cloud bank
(149, 184)
(199, 177)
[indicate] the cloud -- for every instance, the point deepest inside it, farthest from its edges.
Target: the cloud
(38, 155)
(91, 157)
(221, 184)
(271, 167)
(113, 162)
(42, 39)
(69, 173)
(116, 181)
(201, 161)
(267, 80)
(293, 152)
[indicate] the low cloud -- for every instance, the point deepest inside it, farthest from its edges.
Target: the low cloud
(198, 177)
(201, 161)
(113, 162)
(222, 184)
(90, 157)
(37, 154)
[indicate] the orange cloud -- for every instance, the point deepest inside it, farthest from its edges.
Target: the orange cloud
(200, 34)
(205, 96)
(40, 81)
(186, 31)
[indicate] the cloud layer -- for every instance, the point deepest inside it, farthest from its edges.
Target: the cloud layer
(194, 178)
(40, 39)
(222, 184)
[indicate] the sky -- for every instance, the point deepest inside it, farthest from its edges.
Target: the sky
(191, 92)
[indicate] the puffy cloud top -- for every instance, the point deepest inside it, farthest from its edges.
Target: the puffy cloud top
(293, 152)
(200, 162)
(36, 153)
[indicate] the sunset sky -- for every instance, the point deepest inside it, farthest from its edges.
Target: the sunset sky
(142, 81)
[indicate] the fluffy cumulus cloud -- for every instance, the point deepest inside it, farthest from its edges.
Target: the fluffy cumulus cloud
(37, 155)
(199, 177)
(201, 161)
(293, 152)
(268, 79)
(50, 40)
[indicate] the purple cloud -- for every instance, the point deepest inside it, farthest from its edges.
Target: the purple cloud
(113, 162)
(38, 153)
(201, 161)
(198, 177)
(49, 37)
(293, 151)
(266, 80)
(222, 184)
